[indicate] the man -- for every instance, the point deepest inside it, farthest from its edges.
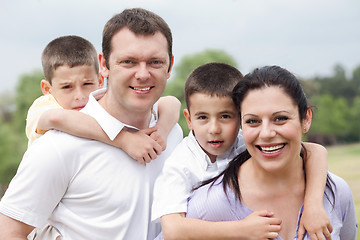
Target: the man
(86, 189)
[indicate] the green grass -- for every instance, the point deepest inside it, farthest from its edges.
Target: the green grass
(344, 161)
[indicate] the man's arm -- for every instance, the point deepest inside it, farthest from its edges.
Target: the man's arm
(314, 218)
(11, 229)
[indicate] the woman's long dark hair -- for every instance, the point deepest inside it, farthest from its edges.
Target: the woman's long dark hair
(260, 78)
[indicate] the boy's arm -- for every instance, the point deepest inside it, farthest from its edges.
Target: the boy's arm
(169, 113)
(82, 125)
(258, 225)
(13, 229)
(314, 218)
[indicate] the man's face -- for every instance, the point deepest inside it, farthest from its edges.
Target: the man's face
(138, 71)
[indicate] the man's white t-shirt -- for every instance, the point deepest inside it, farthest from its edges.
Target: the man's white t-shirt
(84, 188)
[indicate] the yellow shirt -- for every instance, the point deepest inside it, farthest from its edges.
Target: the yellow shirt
(40, 105)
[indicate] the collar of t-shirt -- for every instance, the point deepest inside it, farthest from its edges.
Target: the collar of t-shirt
(107, 122)
(204, 160)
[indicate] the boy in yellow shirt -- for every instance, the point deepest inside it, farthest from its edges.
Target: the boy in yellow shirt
(71, 73)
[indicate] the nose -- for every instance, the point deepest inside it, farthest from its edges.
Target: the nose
(80, 94)
(214, 127)
(142, 72)
(267, 130)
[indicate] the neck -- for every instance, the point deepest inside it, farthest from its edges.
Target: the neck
(136, 119)
(279, 179)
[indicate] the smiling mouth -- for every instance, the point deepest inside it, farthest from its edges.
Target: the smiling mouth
(272, 149)
(141, 89)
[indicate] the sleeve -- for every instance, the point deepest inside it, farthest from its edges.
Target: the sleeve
(39, 106)
(348, 214)
(38, 186)
(172, 188)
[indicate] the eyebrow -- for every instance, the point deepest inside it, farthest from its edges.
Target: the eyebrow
(275, 113)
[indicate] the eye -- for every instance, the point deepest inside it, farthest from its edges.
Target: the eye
(127, 63)
(225, 116)
(89, 83)
(252, 121)
(281, 119)
(202, 117)
(156, 63)
(66, 87)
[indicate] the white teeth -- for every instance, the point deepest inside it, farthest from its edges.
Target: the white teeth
(142, 89)
(273, 148)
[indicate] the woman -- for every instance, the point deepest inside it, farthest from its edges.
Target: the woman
(270, 174)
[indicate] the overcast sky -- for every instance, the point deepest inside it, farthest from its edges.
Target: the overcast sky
(306, 37)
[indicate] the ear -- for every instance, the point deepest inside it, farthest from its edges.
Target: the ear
(188, 118)
(101, 80)
(307, 121)
(104, 71)
(45, 87)
(171, 66)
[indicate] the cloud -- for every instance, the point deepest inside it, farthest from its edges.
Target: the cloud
(307, 37)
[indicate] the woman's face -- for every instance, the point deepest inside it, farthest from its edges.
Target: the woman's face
(271, 128)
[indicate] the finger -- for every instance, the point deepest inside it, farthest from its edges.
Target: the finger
(149, 131)
(274, 228)
(329, 227)
(147, 158)
(313, 236)
(327, 234)
(320, 236)
(272, 235)
(140, 160)
(301, 232)
(152, 155)
(265, 213)
(158, 149)
(274, 221)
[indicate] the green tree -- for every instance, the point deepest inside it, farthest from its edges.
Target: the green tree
(13, 112)
(355, 120)
(330, 120)
(187, 64)
(27, 90)
(337, 85)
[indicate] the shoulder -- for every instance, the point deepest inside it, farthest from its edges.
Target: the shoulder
(211, 202)
(45, 100)
(341, 187)
(342, 191)
(210, 194)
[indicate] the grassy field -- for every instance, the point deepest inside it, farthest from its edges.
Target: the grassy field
(344, 161)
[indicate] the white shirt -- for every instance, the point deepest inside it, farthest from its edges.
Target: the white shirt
(87, 189)
(187, 166)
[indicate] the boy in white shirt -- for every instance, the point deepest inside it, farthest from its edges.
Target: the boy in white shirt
(213, 141)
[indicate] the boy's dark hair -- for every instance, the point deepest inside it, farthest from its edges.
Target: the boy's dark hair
(68, 50)
(140, 22)
(215, 79)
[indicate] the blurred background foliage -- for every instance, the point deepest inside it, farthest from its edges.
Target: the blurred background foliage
(335, 100)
